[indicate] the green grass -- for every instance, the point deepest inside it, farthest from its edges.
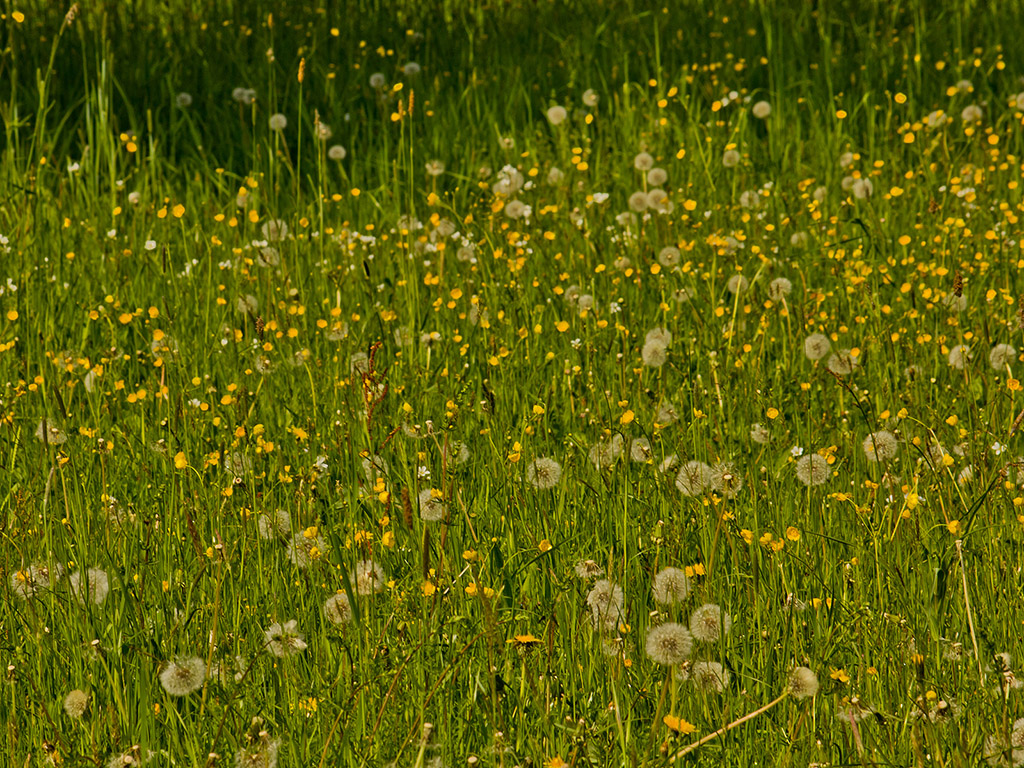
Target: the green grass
(201, 380)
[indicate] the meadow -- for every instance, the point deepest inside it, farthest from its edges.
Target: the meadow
(553, 383)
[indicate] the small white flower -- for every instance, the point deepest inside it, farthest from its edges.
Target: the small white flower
(796, 451)
(998, 448)
(151, 245)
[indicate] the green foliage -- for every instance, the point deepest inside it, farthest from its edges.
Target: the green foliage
(250, 368)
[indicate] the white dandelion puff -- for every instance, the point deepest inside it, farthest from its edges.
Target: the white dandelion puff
(368, 577)
(669, 644)
(812, 469)
(880, 446)
(274, 525)
(803, 683)
(671, 586)
(183, 676)
(92, 586)
(605, 601)
(543, 473)
(694, 478)
(432, 508)
(337, 609)
(710, 623)
(816, 346)
(284, 640)
(556, 115)
(959, 356)
(1001, 356)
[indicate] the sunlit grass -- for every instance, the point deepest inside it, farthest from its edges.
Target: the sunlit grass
(552, 384)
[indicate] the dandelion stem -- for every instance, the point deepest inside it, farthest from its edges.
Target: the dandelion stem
(712, 736)
(967, 605)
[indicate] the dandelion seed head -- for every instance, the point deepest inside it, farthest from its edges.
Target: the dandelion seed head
(638, 201)
(959, 356)
(543, 473)
(709, 623)
(26, 583)
(750, 199)
(284, 640)
(971, 113)
(816, 346)
(725, 480)
(708, 676)
(880, 446)
(759, 434)
(92, 586)
(643, 162)
(262, 754)
(368, 577)
(337, 609)
(557, 114)
(605, 601)
(274, 525)
(862, 188)
(737, 284)
(183, 676)
(779, 288)
(812, 469)
(803, 683)
(588, 569)
(640, 450)
(660, 335)
(669, 644)
(605, 453)
(274, 230)
(432, 508)
(302, 550)
(669, 256)
(657, 176)
(694, 478)
(842, 363)
(666, 414)
(671, 586)
(50, 434)
(75, 704)
(1000, 356)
